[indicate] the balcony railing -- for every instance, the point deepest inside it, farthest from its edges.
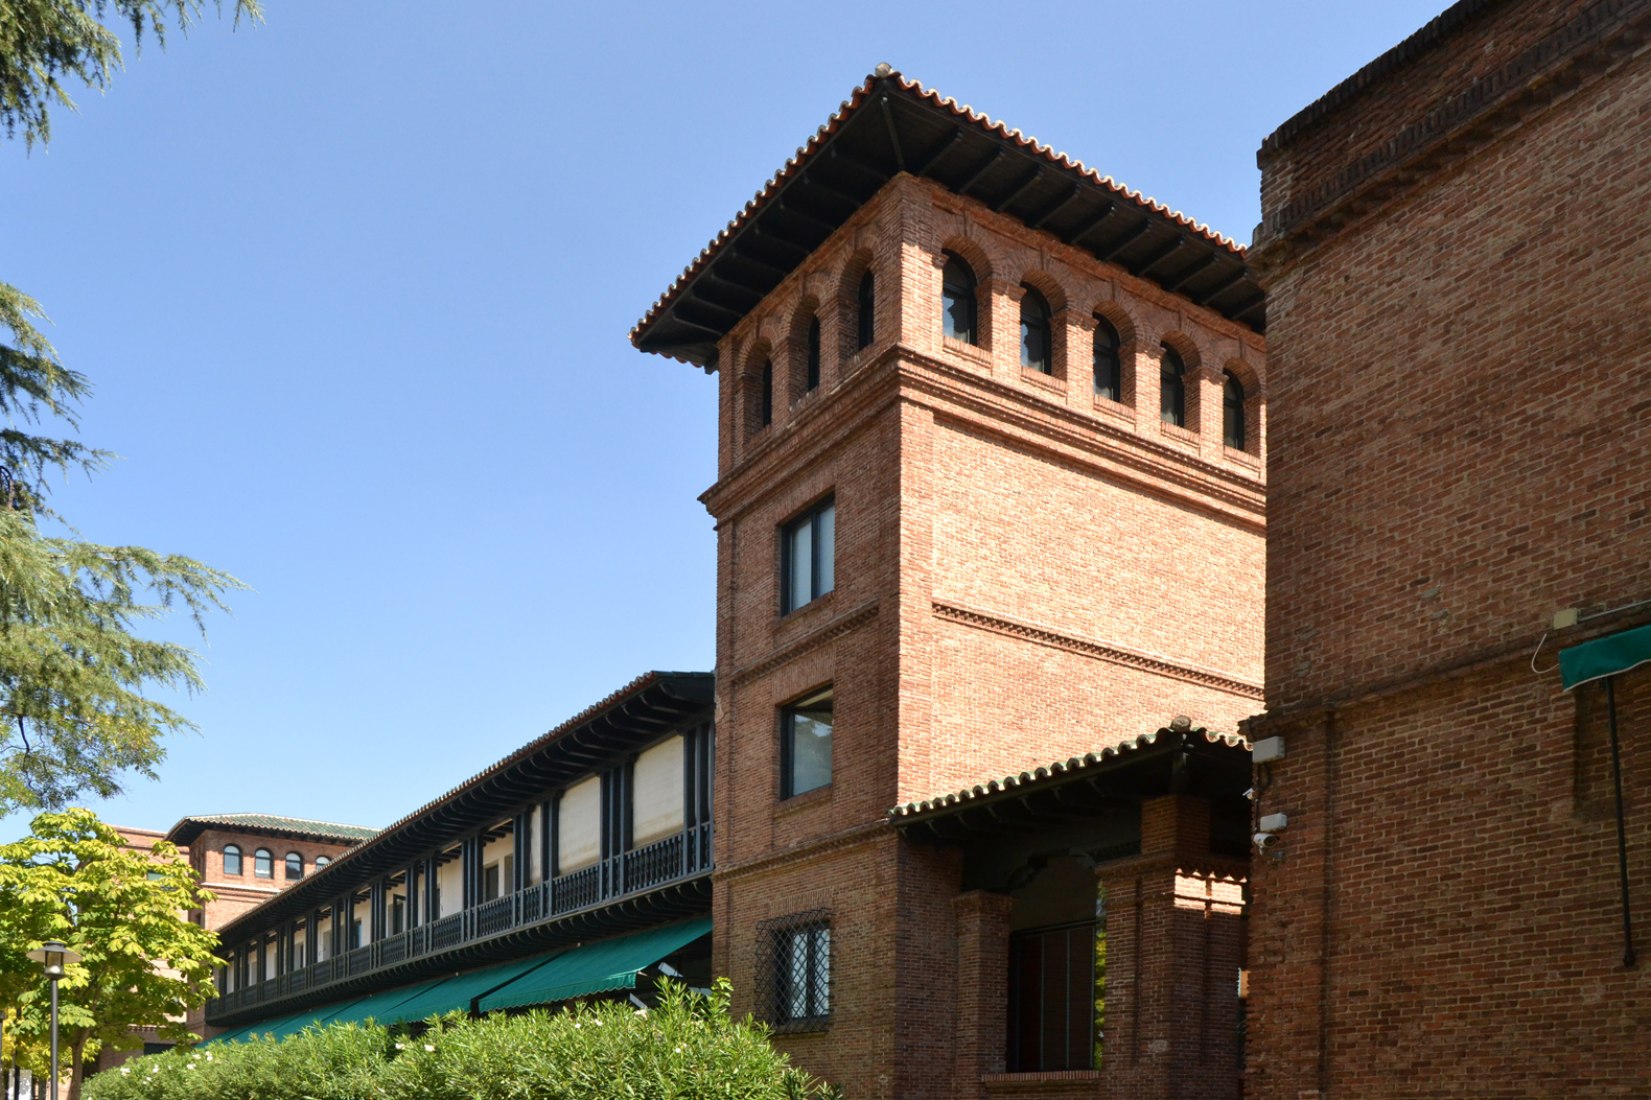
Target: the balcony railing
(679, 856)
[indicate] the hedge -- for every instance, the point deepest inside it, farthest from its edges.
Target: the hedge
(688, 1048)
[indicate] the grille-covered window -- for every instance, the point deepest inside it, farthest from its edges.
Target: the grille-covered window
(797, 969)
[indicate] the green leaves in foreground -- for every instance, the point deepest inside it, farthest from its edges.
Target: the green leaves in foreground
(688, 1048)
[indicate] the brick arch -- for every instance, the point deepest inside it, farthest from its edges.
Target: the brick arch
(1047, 285)
(974, 254)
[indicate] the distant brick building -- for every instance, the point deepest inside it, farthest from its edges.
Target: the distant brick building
(244, 859)
(1454, 248)
(989, 495)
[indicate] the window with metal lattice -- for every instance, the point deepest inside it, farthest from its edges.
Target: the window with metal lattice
(796, 970)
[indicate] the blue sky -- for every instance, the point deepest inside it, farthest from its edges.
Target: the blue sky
(354, 288)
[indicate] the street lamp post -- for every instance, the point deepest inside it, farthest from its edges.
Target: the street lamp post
(53, 957)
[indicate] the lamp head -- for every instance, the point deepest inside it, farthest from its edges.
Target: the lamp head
(53, 957)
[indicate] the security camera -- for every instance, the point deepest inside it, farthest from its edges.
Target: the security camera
(1266, 841)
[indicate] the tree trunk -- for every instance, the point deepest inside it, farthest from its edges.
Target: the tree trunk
(77, 1067)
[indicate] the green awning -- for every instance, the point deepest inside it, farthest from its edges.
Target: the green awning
(457, 994)
(282, 1026)
(226, 1037)
(1604, 657)
(386, 1008)
(599, 967)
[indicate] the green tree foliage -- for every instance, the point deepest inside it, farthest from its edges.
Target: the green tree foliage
(142, 961)
(75, 713)
(688, 1048)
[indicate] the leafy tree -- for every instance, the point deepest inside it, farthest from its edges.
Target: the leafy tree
(142, 961)
(75, 713)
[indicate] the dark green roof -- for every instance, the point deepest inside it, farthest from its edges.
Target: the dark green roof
(191, 827)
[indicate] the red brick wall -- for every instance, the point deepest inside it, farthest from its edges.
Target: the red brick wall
(1023, 573)
(1457, 403)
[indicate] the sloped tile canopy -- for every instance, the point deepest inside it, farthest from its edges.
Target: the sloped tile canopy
(892, 124)
(1060, 793)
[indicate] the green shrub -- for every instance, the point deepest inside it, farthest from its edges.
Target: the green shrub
(688, 1048)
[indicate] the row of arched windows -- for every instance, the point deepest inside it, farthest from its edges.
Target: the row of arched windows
(959, 305)
(960, 321)
(263, 863)
(865, 325)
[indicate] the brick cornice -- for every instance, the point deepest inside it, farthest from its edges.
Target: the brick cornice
(1455, 125)
(851, 837)
(1236, 495)
(1101, 651)
(836, 628)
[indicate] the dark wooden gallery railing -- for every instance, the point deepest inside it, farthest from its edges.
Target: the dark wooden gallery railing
(677, 857)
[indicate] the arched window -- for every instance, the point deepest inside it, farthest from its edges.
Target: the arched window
(958, 300)
(766, 394)
(232, 859)
(1172, 388)
(865, 300)
(1232, 412)
(263, 864)
(1034, 331)
(295, 866)
(321, 861)
(811, 374)
(1109, 371)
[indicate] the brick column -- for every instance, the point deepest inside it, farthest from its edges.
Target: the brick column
(982, 987)
(1174, 945)
(1079, 329)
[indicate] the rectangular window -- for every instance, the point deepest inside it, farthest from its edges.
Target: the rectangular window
(805, 744)
(1054, 988)
(808, 551)
(490, 882)
(799, 970)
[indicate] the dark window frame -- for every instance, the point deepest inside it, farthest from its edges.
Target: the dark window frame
(865, 312)
(811, 362)
(233, 851)
(289, 872)
(959, 301)
(1109, 363)
(263, 863)
(805, 706)
(1172, 387)
(765, 385)
(1037, 327)
(1233, 400)
(1052, 1047)
(779, 940)
(792, 601)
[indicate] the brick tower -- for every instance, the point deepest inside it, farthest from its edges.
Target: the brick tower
(989, 496)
